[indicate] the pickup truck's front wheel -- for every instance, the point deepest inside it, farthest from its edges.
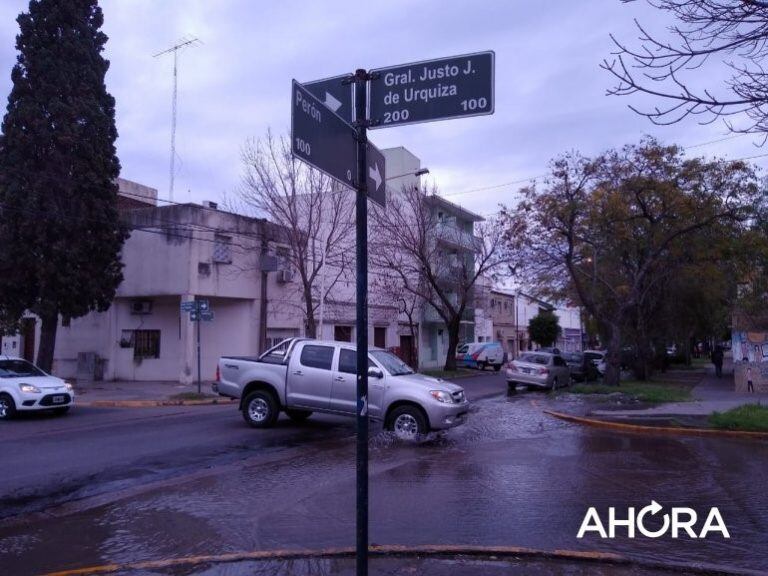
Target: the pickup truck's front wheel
(260, 409)
(408, 423)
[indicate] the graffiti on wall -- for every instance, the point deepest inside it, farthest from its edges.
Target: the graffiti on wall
(750, 346)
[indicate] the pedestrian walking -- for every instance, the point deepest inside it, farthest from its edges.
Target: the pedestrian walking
(717, 360)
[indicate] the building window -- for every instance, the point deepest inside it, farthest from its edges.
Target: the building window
(146, 344)
(342, 333)
(222, 253)
(380, 336)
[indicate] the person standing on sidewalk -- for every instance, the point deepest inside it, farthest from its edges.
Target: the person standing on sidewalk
(750, 386)
(717, 360)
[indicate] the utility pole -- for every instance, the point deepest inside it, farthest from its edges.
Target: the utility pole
(184, 43)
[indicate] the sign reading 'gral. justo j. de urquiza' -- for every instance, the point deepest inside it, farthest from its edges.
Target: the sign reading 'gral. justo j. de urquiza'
(432, 90)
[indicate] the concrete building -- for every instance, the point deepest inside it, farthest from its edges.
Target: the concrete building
(512, 311)
(454, 236)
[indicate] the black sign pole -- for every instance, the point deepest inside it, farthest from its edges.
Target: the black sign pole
(199, 320)
(361, 79)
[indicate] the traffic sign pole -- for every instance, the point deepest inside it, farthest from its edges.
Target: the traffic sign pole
(361, 80)
(199, 379)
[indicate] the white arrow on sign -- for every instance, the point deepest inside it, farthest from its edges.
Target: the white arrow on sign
(375, 174)
(332, 102)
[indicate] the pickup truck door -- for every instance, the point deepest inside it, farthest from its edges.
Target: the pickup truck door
(344, 390)
(310, 377)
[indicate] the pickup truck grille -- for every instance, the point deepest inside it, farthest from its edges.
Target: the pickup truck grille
(458, 397)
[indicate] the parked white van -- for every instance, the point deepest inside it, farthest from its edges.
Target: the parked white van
(480, 354)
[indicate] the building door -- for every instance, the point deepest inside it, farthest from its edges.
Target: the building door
(380, 336)
(28, 334)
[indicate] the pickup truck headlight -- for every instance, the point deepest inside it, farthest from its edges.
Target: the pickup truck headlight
(28, 388)
(441, 396)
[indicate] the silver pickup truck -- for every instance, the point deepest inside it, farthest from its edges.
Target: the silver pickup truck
(302, 376)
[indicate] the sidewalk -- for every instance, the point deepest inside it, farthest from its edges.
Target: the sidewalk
(138, 394)
(711, 394)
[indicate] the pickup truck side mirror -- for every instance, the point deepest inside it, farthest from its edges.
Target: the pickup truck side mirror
(375, 373)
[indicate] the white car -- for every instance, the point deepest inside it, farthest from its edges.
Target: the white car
(24, 387)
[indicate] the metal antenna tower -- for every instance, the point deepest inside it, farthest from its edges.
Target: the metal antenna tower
(181, 44)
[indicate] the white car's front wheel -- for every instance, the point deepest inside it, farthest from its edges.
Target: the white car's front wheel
(7, 407)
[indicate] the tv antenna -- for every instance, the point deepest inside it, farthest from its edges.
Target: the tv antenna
(186, 42)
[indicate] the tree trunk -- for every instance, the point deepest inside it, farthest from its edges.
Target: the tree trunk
(50, 323)
(453, 343)
(311, 323)
(613, 357)
(412, 351)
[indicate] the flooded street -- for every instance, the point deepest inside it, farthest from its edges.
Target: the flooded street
(512, 476)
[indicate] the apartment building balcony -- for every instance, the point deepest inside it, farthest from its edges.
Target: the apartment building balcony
(449, 233)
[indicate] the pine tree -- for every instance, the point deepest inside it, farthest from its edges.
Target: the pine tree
(60, 234)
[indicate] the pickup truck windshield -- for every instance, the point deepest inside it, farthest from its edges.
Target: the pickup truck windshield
(391, 363)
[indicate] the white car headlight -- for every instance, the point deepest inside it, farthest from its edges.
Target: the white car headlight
(28, 388)
(69, 386)
(441, 396)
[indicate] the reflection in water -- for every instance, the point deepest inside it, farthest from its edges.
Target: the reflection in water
(512, 476)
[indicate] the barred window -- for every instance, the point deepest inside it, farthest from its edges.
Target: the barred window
(146, 344)
(222, 253)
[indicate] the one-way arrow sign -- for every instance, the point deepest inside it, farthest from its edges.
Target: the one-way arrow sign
(335, 95)
(376, 175)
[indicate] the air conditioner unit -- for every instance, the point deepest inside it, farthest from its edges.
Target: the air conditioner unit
(140, 307)
(284, 276)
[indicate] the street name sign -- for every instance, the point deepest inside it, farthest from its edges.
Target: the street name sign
(324, 140)
(432, 90)
(188, 306)
(336, 95)
(321, 138)
(204, 315)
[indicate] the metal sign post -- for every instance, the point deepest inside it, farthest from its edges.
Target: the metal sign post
(322, 136)
(199, 311)
(361, 232)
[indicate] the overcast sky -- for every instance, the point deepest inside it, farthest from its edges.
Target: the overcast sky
(550, 91)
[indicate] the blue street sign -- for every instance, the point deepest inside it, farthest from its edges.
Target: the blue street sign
(206, 316)
(188, 306)
(203, 305)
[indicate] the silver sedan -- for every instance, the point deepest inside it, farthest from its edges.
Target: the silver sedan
(539, 370)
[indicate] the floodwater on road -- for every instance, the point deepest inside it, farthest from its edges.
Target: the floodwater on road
(511, 477)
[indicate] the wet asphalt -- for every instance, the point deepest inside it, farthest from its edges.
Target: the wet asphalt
(121, 486)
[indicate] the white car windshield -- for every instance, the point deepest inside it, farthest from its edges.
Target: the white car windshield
(391, 363)
(18, 369)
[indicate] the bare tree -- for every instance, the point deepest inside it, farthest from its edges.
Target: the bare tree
(386, 288)
(680, 68)
(432, 258)
(314, 214)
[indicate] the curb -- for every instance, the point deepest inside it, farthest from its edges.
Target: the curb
(670, 430)
(153, 403)
(418, 552)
